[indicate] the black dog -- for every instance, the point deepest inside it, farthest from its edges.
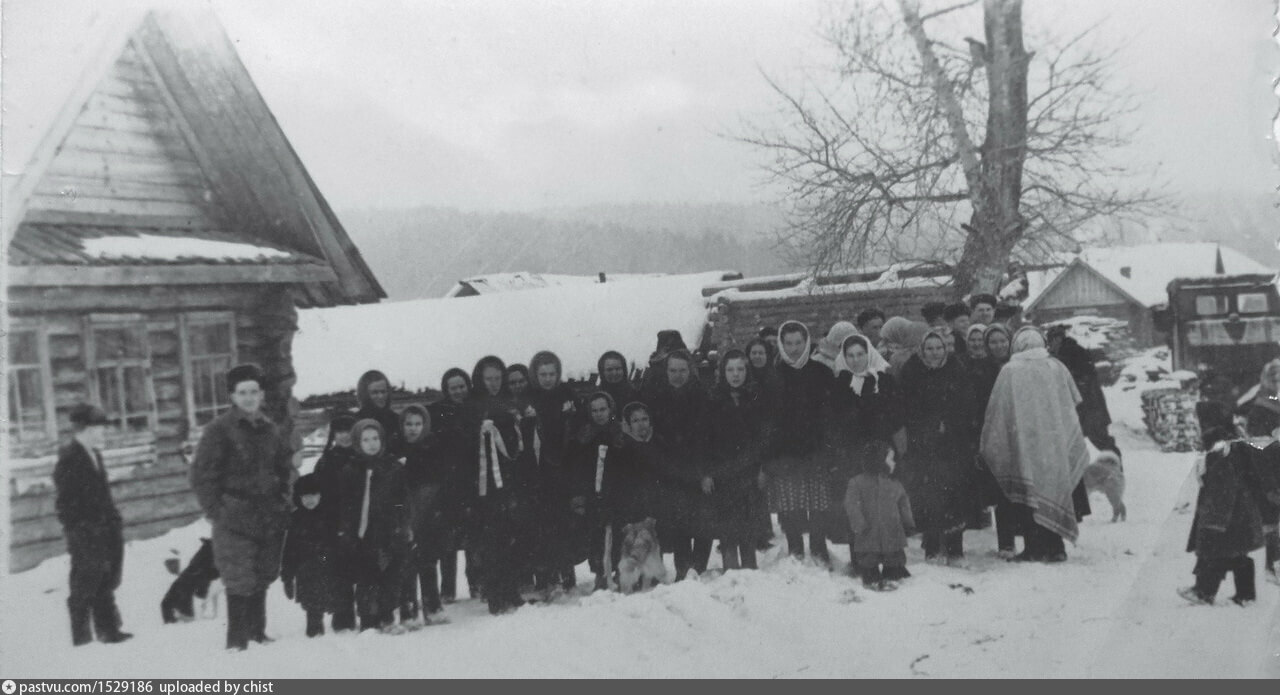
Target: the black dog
(193, 582)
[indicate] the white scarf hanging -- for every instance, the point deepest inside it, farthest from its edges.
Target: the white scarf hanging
(601, 452)
(490, 457)
(876, 365)
(364, 503)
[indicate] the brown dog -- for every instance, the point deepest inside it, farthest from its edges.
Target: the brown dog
(1105, 475)
(641, 564)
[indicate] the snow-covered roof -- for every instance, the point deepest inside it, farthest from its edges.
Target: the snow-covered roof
(1144, 271)
(169, 248)
(522, 280)
(416, 341)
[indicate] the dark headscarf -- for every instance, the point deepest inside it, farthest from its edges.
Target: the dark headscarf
(477, 377)
(362, 388)
(544, 357)
(451, 373)
(722, 383)
(986, 339)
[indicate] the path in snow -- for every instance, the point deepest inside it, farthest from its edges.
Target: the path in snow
(1110, 610)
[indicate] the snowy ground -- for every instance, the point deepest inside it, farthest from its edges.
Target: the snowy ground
(1110, 610)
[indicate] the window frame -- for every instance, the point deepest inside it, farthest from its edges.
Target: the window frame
(94, 322)
(186, 321)
(45, 368)
(1266, 303)
(1222, 305)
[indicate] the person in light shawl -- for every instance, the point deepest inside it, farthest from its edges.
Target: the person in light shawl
(901, 338)
(829, 347)
(1033, 445)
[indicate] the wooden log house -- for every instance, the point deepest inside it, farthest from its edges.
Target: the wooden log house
(163, 230)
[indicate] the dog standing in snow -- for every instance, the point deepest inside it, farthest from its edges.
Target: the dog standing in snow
(641, 564)
(199, 579)
(1105, 475)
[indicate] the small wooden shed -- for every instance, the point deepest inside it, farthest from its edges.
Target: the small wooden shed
(163, 230)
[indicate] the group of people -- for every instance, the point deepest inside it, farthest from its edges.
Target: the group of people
(880, 429)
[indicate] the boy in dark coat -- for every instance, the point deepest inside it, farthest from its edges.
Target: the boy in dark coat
(880, 520)
(241, 476)
(308, 568)
(92, 526)
(373, 530)
(1227, 525)
(338, 454)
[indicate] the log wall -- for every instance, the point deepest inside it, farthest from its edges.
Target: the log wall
(148, 470)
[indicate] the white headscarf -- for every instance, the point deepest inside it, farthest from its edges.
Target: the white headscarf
(1028, 344)
(876, 363)
(782, 353)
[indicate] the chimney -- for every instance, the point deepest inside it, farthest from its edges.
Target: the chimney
(602, 278)
(1127, 271)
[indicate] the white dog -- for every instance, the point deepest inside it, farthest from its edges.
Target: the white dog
(641, 564)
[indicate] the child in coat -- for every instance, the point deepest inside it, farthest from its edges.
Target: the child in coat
(1227, 525)
(373, 532)
(338, 455)
(880, 519)
(308, 567)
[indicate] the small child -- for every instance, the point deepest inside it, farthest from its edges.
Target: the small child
(373, 531)
(880, 518)
(1227, 525)
(308, 568)
(338, 455)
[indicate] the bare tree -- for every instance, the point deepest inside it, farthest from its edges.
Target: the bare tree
(885, 164)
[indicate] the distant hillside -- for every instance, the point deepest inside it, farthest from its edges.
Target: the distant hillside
(421, 252)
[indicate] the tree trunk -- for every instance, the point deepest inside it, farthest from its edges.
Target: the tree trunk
(997, 224)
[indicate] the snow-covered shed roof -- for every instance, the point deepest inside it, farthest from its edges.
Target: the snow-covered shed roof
(125, 123)
(1143, 272)
(523, 280)
(416, 341)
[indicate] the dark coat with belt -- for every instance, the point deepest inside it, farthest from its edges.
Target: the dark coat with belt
(241, 476)
(1227, 523)
(738, 433)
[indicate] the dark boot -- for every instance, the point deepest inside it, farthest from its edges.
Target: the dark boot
(747, 552)
(1246, 587)
(1273, 551)
(431, 602)
(729, 559)
(818, 547)
(795, 544)
(238, 608)
(871, 577)
(106, 621)
(81, 633)
(895, 573)
(701, 554)
(315, 623)
(258, 618)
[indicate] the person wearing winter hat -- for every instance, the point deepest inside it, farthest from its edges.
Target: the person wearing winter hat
(92, 527)
(337, 455)
(458, 501)
(957, 318)
(869, 322)
(613, 378)
(240, 476)
(556, 414)
(1227, 525)
(655, 376)
(982, 308)
(308, 568)
(588, 455)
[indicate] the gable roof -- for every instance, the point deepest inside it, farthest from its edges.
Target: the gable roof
(1143, 272)
(166, 135)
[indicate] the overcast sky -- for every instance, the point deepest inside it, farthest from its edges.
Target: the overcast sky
(515, 105)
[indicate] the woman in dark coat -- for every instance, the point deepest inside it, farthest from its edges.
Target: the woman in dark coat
(629, 491)
(505, 479)
(678, 407)
(1227, 525)
(1095, 419)
(428, 474)
(864, 409)
(556, 413)
(613, 378)
(996, 347)
(937, 405)
(738, 431)
(459, 491)
(588, 456)
(760, 371)
(373, 395)
(518, 382)
(797, 481)
(373, 529)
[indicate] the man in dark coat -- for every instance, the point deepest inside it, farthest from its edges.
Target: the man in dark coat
(93, 529)
(241, 475)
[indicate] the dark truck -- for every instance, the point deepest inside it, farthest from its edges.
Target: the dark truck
(1226, 326)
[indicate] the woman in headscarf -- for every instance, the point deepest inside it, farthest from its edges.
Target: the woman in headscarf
(995, 341)
(373, 395)
(426, 476)
(864, 408)
(678, 408)
(339, 453)
(1032, 443)
(974, 348)
(613, 378)
(829, 347)
(518, 381)
(557, 414)
(760, 371)
(1263, 411)
(629, 490)
(588, 454)
(900, 339)
(655, 376)
(797, 482)
(505, 478)
(459, 496)
(738, 431)
(937, 405)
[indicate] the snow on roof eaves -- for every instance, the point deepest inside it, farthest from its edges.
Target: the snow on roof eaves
(170, 248)
(416, 341)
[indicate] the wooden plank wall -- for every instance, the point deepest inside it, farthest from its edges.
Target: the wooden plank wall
(149, 474)
(737, 320)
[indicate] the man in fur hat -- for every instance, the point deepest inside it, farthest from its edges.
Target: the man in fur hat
(241, 476)
(92, 526)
